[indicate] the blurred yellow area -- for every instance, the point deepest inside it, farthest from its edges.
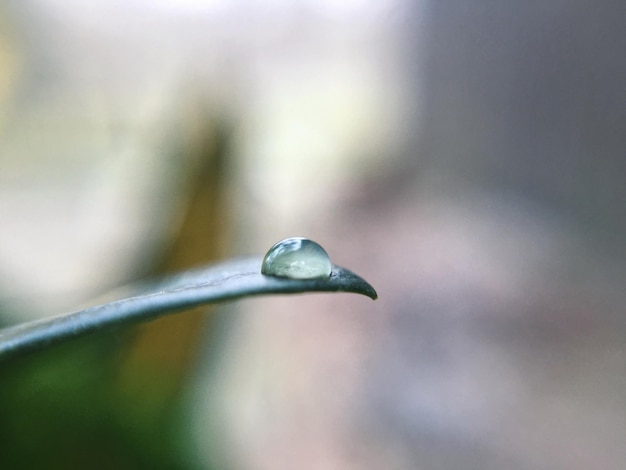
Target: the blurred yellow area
(10, 66)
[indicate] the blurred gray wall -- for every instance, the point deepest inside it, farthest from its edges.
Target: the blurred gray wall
(529, 98)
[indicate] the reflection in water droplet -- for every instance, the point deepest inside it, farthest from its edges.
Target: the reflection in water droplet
(297, 258)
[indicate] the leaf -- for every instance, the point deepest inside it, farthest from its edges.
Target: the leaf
(230, 280)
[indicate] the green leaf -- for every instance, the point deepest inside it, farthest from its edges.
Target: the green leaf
(230, 280)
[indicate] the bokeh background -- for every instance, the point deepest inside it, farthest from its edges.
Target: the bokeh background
(467, 158)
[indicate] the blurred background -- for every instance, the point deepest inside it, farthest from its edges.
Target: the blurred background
(466, 158)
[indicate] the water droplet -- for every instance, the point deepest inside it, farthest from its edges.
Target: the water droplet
(297, 258)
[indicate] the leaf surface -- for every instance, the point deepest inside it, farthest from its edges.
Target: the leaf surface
(229, 280)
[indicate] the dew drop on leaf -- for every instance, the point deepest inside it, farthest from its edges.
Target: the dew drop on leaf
(297, 258)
